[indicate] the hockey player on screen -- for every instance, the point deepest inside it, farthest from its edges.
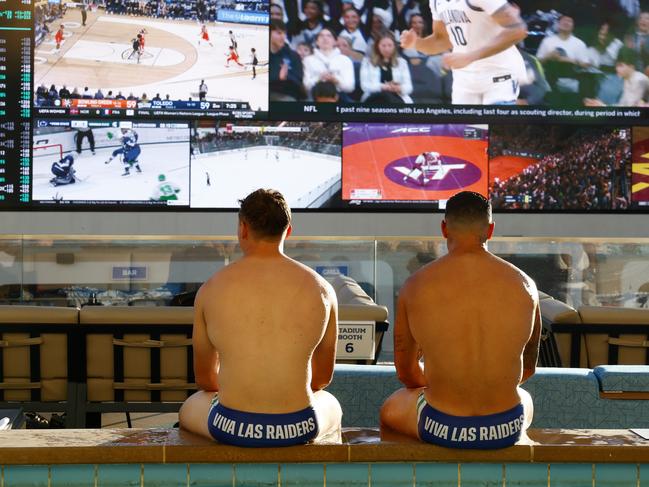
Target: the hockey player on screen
(129, 151)
(63, 171)
(165, 191)
(425, 163)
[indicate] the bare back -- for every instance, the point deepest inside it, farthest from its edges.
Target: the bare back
(472, 316)
(265, 316)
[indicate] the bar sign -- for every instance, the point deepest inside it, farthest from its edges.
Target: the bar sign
(134, 273)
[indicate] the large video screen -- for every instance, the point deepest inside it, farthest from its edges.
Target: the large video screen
(490, 61)
(232, 159)
(159, 58)
(344, 106)
(116, 163)
(406, 164)
(557, 168)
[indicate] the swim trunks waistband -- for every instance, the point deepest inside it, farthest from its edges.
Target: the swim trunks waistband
(491, 431)
(242, 428)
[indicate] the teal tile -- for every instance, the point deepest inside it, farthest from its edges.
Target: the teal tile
(256, 474)
(481, 474)
(168, 475)
(571, 474)
(118, 475)
(72, 475)
(392, 474)
(526, 475)
(212, 475)
(347, 474)
(616, 475)
(436, 474)
(26, 476)
(302, 474)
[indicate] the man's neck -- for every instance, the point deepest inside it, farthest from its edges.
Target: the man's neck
(564, 35)
(264, 249)
(466, 245)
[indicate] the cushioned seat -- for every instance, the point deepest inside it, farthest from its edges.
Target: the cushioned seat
(354, 304)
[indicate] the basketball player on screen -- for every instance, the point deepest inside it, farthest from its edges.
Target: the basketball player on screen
(482, 37)
(204, 35)
(58, 37)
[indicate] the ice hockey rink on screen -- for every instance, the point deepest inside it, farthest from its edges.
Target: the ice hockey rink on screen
(173, 62)
(377, 157)
(163, 151)
(306, 179)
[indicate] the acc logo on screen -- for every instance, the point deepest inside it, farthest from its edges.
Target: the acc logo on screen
(453, 173)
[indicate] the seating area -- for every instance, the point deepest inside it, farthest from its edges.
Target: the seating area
(595, 335)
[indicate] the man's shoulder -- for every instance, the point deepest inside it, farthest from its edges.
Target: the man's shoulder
(426, 274)
(512, 272)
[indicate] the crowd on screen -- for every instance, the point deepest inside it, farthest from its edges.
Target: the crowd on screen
(588, 170)
(320, 137)
(201, 10)
(594, 53)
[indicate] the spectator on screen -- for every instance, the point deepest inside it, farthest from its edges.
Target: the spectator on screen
(327, 63)
(635, 83)
(285, 66)
(385, 77)
(561, 54)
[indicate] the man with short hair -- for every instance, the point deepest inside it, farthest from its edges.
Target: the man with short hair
(474, 319)
(202, 90)
(285, 67)
(562, 54)
(265, 331)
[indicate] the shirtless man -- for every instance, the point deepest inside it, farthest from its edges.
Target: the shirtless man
(475, 320)
(265, 331)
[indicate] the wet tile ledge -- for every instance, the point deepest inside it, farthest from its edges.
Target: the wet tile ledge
(112, 446)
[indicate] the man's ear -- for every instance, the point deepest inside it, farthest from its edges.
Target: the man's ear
(490, 230)
(444, 229)
(243, 229)
(289, 230)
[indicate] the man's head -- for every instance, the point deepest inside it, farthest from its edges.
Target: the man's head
(625, 62)
(277, 35)
(276, 12)
(468, 214)
(566, 24)
(325, 92)
(264, 215)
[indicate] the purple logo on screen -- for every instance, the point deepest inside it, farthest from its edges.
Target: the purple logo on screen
(450, 173)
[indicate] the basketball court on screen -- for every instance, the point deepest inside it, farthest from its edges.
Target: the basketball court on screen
(376, 165)
(504, 167)
(99, 56)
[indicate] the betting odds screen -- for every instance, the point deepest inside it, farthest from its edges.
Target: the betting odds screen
(165, 105)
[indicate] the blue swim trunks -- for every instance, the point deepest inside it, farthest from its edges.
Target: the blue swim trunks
(492, 431)
(241, 428)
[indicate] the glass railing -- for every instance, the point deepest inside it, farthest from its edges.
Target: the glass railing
(73, 271)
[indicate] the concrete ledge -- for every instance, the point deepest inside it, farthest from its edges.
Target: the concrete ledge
(117, 446)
